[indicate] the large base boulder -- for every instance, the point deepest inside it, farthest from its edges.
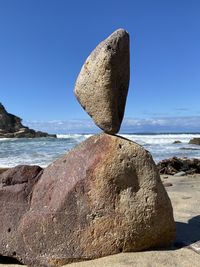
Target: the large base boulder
(104, 197)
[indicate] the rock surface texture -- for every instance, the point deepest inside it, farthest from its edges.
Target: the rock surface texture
(11, 126)
(103, 197)
(102, 85)
(195, 141)
(16, 186)
(176, 165)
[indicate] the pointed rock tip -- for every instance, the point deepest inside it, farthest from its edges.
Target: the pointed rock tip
(120, 31)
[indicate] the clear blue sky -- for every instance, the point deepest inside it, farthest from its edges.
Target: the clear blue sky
(43, 44)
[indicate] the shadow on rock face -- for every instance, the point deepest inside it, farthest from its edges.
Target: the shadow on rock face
(188, 234)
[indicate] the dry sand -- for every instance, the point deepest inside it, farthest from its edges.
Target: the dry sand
(185, 197)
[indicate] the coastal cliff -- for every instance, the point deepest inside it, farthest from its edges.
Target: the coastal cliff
(11, 127)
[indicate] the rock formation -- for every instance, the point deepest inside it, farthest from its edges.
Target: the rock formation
(195, 141)
(176, 165)
(103, 197)
(102, 85)
(177, 142)
(11, 126)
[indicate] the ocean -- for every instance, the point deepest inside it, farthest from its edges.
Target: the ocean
(43, 151)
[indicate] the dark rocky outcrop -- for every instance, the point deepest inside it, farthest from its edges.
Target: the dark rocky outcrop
(103, 197)
(177, 142)
(176, 165)
(195, 141)
(11, 126)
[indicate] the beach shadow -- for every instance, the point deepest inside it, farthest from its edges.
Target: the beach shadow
(9, 261)
(187, 233)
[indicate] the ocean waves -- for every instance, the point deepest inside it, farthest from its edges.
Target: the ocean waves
(43, 151)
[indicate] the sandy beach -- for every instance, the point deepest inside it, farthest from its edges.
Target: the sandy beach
(185, 196)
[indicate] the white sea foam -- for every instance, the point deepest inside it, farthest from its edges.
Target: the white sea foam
(43, 151)
(159, 138)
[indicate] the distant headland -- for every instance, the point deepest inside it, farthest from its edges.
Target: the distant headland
(11, 127)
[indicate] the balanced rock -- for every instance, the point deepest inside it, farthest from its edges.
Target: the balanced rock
(104, 197)
(102, 85)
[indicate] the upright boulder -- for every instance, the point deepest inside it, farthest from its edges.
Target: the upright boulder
(102, 85)
(103, 197)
